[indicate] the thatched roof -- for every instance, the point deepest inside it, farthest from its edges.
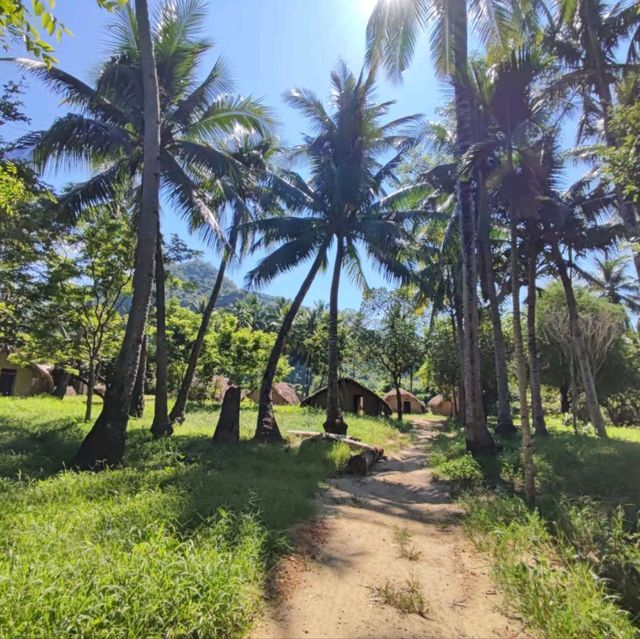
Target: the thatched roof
(281, 393)
(405, 394)
(43, 371)
(346, 380)
(287, 392)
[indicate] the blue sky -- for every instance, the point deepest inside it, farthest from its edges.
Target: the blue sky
(271, 46)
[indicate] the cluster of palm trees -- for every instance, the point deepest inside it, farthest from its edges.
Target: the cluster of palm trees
(487, 217)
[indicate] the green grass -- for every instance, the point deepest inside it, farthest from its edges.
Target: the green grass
(572, 566)
(176, 543)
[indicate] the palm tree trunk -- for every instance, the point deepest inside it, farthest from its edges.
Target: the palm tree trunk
(527, 443)
(105, 442)
(267, 427)
(458, 333)
(479, 439)
(334, 422)
(505, 425)
(161, 426)
(180, 407)
(588, 382)
(136, 409)
(537, 410)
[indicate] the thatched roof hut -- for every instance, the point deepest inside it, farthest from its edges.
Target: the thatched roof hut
(440, 405)
(410, 403)
(354, 398)
(282, 394)
(23, 380)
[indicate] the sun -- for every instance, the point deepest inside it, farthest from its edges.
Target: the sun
(365, 7)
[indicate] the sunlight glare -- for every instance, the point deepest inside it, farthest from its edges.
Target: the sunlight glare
(365, 7)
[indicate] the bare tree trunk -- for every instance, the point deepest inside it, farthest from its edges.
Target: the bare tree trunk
(505, 425)
(334, 422)
(61, 379)
(91, 382)
(180, 407)
(479, 439)
(161, 427)
(588, 382)
(565, 404)
(267, 427)
(136, 409)
(104, 444)
(396, 385)
(228, 428)
(537, 410)
(527, 443)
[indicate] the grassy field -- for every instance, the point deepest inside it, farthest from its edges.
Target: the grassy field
(176, 543)
(572, 566)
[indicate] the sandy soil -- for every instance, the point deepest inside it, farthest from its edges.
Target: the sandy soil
(328, 588)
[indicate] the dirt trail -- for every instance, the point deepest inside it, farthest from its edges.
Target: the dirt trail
(328, 589)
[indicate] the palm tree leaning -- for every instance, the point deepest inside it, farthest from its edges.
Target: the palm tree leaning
(109, 130)
(343, 207)
(104, 445)
(235, 198)
(391, 36)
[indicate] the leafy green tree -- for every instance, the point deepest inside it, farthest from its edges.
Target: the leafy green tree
(75, 317)
(241, 353)
(389, 335)
(601, 323)
(343, 205)
(23, 24)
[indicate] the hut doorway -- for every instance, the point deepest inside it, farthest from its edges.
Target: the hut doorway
(7, 380)
(358, 404)
(406, 407)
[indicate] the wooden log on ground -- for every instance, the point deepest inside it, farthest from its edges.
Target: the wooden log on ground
(228, 428)
(362, 463)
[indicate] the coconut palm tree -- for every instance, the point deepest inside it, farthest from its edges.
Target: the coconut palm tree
(107, 135)
(343, 207)
(235, 198)
(392, 33)
(610, 280)
(587, 37)
(509, 159)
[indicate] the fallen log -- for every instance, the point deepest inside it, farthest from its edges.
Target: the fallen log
(362, 463)
(359, 464)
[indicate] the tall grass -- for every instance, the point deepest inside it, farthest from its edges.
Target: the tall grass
(572, 566)
(176, 543)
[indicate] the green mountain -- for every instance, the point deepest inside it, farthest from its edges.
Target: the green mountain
(197, 278)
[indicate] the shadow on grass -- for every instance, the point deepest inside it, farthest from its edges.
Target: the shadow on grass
(38, 453)
(566, 464)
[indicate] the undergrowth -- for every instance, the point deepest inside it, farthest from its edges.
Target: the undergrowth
(572, 565)
(176, 543)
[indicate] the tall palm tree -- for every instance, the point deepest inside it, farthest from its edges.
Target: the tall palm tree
(610, 280)
(235, 199)
(587, 36)
(391, 37)
(509, 159)
(107, 134)
(105, 442)
(344, 206)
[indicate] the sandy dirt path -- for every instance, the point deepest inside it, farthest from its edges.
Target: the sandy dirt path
(328, 589)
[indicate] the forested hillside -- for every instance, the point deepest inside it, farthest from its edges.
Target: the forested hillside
(197, 277)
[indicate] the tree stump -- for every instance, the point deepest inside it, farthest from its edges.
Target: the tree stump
(228, 428)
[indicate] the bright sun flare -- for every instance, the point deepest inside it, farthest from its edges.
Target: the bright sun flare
(365, 6)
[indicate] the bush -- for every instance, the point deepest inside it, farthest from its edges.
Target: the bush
(557, 592)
